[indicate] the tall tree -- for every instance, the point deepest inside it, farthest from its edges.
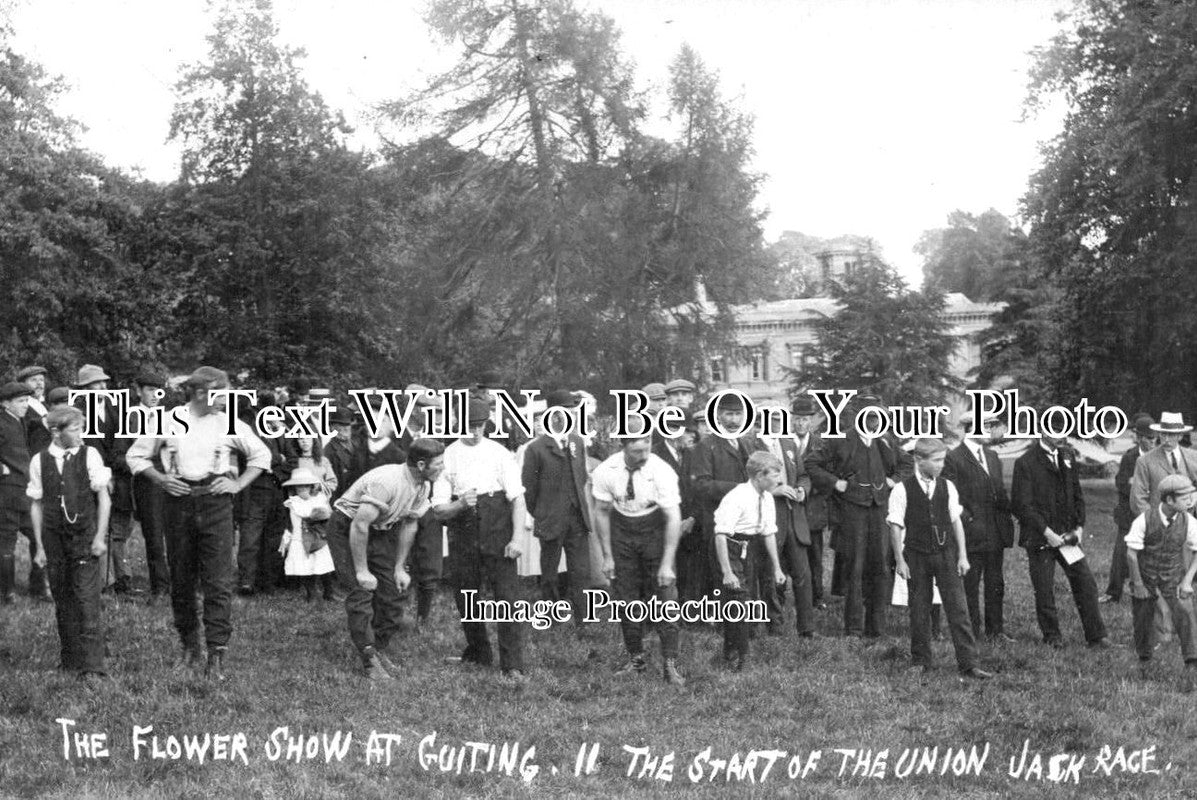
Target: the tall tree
(274, 215)
(67, 285)
(885, 339)
(1114, 208)
(979, 256)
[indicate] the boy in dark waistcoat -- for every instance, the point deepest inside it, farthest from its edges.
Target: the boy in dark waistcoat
(68, 487)
(1159, 556)
(928, 541)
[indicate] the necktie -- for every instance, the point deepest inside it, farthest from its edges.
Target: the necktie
(66, 460)
(980, 454)
(631, 492)
(1059, 461)
(1175, 465)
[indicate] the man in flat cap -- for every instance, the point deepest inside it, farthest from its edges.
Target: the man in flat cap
(679, 392)
(14, 476)
(1145, 442)
(199, 478)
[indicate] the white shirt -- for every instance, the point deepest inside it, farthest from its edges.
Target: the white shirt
(38, 406)
(1138, 530)
(97, 474)
(392, 490)
(204, 450)
(485, 467)
(655, 485)
(897, 500)
(744, 510)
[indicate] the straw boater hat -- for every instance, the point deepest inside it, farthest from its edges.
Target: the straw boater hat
(302, 476)
(1171, 422)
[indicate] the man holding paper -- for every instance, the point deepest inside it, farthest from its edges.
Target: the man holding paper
(1050, 508)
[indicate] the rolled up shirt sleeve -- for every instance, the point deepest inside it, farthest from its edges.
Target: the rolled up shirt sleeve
(897, 506)
(34, 488)
(97, 474)
(256, 453)
(140, 456)
(1134, 537)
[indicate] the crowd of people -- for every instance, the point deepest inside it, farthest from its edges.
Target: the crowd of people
(366, 515)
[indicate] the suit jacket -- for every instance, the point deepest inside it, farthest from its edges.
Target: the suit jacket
(1150, 469)
(14, 451)
(547, 475)
(846, 458)
(791, 516)
(986, 517)
(682, 466)
(1045, 497)
(816, 503)
(341, 459)
(36, 432)
(1122, 484)
(716, 467)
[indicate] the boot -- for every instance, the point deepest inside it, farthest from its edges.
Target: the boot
(7, 578)
(635, 666)
(671, 674)
(374, 670)
(193, 651)
(215, 668)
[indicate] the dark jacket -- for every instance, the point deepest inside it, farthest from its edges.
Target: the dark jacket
(848, 459)
(547, 475)
(1044, 497)
(14, 451)
(986, 517)
(791, 516)
(716, 467)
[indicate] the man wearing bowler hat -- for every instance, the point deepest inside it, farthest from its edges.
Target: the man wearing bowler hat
(1145, 442)
(554, 478)
(199, 479)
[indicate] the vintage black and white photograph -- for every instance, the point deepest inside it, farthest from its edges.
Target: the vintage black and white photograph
(598, 398)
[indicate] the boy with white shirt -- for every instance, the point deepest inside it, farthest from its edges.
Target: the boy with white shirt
(746, 513)
(1159, 556)
(928, 543)
(68, 487)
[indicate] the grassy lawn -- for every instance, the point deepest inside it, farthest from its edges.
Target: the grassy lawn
(291, 665)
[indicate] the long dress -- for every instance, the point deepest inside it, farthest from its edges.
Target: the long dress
(310, 510)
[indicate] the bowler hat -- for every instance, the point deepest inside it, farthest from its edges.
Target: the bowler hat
(1142, 424)
(29, 372)
(13, 390)
(561, 397)
(90, 373)
(805, 406)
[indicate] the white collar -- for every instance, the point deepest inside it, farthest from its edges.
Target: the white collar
(58, 452)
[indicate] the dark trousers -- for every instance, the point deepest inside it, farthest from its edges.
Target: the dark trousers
(814, 555)
(14, 523)
(373, 615)
(695, 576)
(75, 584)
(926, 572)
(867, 580)
(637, 545)
(763, 587)
(150, 504)
(795, 562)
(469, 568)
(120, 527)
(427, 562)
(985, 565)
(1118, 567)
(1042, 564)
(745, 567)
(199, 549)
(574, 539)
(259, 563)
(1144, 614)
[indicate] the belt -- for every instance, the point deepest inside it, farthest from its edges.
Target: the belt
(202, 486)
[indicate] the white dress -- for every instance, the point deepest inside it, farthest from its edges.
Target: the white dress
(299, 561)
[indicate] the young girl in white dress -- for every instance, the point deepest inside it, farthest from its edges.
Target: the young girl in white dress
(304, 547)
